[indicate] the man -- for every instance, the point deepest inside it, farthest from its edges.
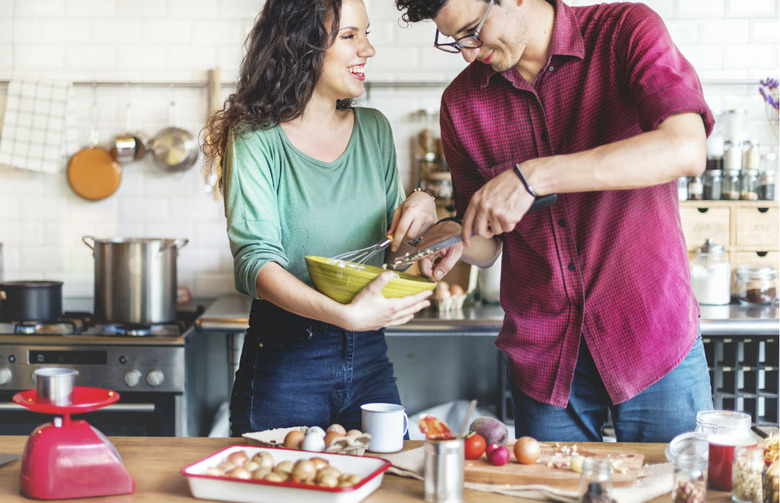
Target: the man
(597, 105)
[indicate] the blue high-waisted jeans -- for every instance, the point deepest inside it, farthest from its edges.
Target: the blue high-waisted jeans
(296, 371)
(659, 413)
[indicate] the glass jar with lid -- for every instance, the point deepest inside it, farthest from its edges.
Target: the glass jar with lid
(730, 185)
(766, 185)
(695, 188)
(711, 274)
(756, 284)
(690, 478)
(596, 480)
(732, 156)
(746, 474)
(711, 184)
(748, 185)
(725, 431)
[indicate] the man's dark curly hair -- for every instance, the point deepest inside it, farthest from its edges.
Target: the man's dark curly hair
(283, 62)
(418, 10)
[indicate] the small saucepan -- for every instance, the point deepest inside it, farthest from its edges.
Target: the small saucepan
(30, 300)
(129, 147)
(174, 149)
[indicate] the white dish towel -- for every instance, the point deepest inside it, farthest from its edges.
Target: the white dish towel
(37, 125)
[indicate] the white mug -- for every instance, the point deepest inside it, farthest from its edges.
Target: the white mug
(387, 424)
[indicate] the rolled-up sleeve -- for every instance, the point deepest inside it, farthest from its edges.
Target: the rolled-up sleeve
(251, 207)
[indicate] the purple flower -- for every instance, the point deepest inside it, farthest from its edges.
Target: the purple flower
(769, 90)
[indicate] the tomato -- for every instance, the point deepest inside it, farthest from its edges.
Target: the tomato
(475, 446)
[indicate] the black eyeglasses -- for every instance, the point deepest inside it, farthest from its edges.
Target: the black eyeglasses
(468, 42)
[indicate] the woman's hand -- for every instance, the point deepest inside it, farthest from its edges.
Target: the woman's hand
(370, 310)
(412, 218)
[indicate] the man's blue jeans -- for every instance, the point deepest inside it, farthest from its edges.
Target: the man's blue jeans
(296, 371)
(659, 413)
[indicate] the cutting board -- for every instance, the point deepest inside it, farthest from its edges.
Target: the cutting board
(482, 471)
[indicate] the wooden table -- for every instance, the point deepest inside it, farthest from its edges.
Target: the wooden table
(155, 464)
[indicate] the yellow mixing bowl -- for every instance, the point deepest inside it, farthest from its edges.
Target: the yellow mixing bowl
(341, 280)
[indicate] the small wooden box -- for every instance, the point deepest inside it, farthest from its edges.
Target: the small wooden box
(758, 227)
(702, 223)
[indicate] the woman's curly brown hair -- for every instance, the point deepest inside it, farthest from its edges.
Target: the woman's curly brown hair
(283, 62)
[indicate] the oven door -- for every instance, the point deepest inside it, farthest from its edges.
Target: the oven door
(136, 414)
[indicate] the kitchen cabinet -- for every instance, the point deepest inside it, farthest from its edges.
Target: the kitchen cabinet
(749, 230)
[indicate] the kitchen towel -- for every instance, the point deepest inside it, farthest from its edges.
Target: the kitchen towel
(37, 125)
(652, 481)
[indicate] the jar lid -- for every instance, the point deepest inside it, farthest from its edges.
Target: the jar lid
(731, 172)
(757, 271)
(709, 246)
(750, 172)
(722, 421)
(715, 173)
(692, 444)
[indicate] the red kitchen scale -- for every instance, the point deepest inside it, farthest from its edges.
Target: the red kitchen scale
(71, 459)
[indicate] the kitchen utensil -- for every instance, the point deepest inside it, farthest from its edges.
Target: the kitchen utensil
(387, 423)
(363, 255)
(7, 458)
(129, 146)
(135, 279)
(54, 385)
(341, 281)
(215, 488)
(174, 149)
(30, 300)
(538, 204)
(92, 172)
(71, 459)
(465, 423)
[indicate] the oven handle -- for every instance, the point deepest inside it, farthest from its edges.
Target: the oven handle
(117, 407)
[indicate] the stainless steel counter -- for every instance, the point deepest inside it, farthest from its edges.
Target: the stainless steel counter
(230, 313)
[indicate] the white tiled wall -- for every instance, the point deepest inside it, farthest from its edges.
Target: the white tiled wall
(732, 43)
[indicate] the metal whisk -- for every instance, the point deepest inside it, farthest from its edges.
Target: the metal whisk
(363, 255)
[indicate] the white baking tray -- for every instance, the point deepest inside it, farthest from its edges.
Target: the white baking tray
(261, 491)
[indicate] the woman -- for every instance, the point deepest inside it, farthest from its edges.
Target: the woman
(307, 174)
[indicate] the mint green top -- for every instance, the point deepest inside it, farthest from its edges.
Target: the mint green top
(282, 205)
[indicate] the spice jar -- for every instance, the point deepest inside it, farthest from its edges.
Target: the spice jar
(690, 478)
(766, 186)
(755, 284)
(695, 188)
(748, 185)
(712, 185)
(725, 430)
(730, 185)
(715, 148)
(596, 481)
(711, 274)
(746, 474)
(751, 156)
(732, 156)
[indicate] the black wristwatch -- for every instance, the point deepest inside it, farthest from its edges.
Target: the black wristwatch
(539, 201)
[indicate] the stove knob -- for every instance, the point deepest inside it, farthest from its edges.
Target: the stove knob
(132, 377)
(5, 376)
(155, 378)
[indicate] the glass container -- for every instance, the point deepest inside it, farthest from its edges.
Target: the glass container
(732, 156)
(748, 185)
(682, 188)
(695, 188)
(725, 430)
(712, 181)
(690, 478)
(751, 156)
(730, 185)
(596, 481)
(746, 474)
(771, 482)
(711, 274)
(766, 186)
(756, 284)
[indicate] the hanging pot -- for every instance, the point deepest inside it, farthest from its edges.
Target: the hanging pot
(135, 279)
(30, 301)
(174, 149)
(94, 174)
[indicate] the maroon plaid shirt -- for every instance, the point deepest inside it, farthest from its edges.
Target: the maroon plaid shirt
(608, 266)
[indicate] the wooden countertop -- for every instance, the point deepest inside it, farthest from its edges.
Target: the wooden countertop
(155, 464)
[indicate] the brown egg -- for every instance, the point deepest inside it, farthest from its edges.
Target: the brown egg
(332, 436)
(337, 427)
(456, 289)
(354, 433)
(294, 439)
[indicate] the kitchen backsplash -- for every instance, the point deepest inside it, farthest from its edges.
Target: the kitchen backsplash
(143, 55)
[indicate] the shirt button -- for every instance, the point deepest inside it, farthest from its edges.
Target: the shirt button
(562, 222)
(571, 266)
(550, 68)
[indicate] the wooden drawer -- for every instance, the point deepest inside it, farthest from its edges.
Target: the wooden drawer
(758, 227)
(699, 224)
(759, 258)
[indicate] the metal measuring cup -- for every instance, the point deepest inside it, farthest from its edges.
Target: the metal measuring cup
(54, 385)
